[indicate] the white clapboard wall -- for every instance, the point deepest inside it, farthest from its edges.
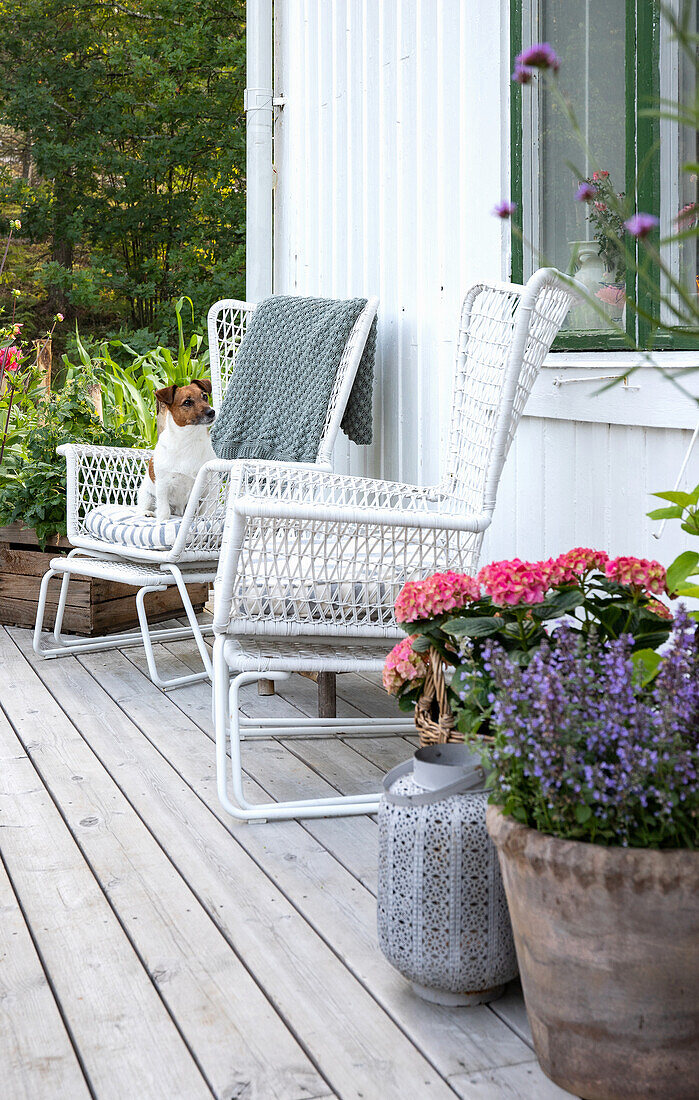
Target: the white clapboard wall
(390, 151)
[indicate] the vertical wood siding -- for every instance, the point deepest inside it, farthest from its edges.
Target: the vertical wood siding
(390, 153)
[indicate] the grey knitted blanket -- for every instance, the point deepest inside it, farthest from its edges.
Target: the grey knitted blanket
(276, 402)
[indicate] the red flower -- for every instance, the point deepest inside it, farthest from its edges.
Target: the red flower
(9, 358)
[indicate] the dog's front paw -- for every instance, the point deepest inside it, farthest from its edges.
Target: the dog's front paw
(162, 517)
(148, 513)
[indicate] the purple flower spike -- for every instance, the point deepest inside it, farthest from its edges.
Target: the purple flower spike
(539, 56)
(640, 225)
(504, 209)
(585, 192)
(522, 75)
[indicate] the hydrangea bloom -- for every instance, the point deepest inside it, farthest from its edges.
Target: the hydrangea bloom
(640, 225)
(402, 665)
(435, 595)
(660, 609)
(576, 563)
(516, 581)
(638, 573)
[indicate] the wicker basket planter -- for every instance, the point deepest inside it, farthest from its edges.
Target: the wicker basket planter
(434, 719)
(607, 945)
(94, 606)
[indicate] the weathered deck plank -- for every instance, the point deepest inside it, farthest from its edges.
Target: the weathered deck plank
(127, 1041)
(292, 902)
(346, 915)
(241, 1044)
(368, 1055)
(36, 1054)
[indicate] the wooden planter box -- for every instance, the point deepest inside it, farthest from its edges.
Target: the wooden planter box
(94, 606)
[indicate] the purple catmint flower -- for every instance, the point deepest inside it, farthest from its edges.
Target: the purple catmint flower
(575, 730)
(585, 192)
(640, 225)
(504, 209)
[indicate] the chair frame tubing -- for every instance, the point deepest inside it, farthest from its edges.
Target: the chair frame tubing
(229, 770)
(145, 637)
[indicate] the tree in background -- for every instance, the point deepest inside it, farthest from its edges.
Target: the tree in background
(133, 114)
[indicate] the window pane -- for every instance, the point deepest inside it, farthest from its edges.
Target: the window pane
(678, 145)
(590, 38)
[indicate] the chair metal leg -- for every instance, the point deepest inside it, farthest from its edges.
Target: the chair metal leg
(228, 731)
(145, 636)
(175, 681)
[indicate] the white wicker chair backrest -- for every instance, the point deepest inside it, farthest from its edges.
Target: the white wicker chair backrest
(228, 321)
(505, 334)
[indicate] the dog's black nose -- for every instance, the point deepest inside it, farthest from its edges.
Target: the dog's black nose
(210, 414)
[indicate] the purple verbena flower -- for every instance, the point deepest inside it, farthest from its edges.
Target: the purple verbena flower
(640, 225)
(541, 55)
(504, 209)
(522, 75)
(585, 192)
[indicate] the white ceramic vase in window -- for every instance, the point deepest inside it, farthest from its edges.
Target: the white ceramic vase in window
(591, 274)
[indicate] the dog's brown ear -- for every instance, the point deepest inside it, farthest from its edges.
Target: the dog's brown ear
(203, 384)
(166, 396)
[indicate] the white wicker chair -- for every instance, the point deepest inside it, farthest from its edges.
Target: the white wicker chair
(311, 562)
(187, 551)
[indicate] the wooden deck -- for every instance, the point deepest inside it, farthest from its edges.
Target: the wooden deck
(152, 948)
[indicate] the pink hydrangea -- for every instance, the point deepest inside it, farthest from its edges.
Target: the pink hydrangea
(434, 596)
(660, 610)
(574, 564)
(402, 665)
(639, 573)
(516, 581)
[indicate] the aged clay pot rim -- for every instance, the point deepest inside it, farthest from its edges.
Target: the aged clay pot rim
(516, 840)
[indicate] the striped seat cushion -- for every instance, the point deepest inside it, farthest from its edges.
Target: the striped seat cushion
(125, 526)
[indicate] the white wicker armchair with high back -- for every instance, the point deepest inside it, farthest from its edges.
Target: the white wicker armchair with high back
(311, 562)
(111, 542)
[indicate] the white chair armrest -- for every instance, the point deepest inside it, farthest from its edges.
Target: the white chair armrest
(274, 490)
(100, 475)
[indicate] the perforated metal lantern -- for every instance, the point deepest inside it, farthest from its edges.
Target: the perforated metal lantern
(442, 914)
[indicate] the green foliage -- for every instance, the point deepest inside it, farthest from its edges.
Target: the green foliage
(684, 507)
(33, 476)
(128, 380)
(134, 116)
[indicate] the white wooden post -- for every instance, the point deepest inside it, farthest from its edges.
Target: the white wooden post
(259, 114)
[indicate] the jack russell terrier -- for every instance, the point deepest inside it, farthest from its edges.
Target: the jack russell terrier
(182, 449)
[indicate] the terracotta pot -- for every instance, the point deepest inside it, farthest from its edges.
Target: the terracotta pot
(607, 942)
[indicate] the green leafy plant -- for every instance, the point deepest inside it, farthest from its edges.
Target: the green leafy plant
(33, 476)
(685, 508)
(133, 116)
(605, 216)
(128, 380)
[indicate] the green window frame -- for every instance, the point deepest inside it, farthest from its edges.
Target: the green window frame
(642, 178)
